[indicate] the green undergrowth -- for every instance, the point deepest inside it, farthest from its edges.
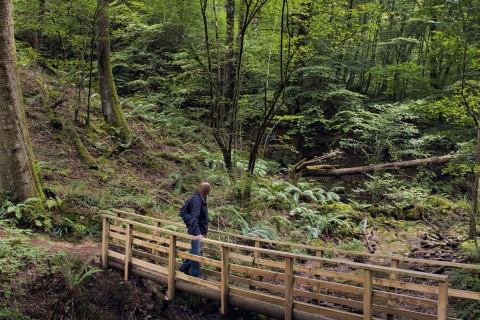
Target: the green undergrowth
(26, 268)
(155, 176)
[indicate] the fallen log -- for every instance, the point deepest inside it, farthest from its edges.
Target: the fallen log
(320, 170)
(296, 170)
(441, 269)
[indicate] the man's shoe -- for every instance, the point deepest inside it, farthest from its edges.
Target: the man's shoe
(200, 277)
(185, 270)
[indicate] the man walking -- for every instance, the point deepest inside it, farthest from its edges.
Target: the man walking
(198, 227)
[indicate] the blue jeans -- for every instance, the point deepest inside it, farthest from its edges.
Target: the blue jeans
(193, 266)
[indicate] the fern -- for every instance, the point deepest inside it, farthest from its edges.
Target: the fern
(171, 122)
(260, 231)
(74, 270)
(313, 223)
(29, 212)
(280, 221)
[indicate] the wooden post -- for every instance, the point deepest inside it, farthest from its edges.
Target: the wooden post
(367, 294)
(128, 251)
(106, 229)
(256, 256)
(116, 224)
(172, 254)
(288, 288)
(319, 265)
(157, 234)
(394, 277)
(224, 306)
(442, 300)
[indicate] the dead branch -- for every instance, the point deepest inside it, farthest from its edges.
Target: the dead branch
(441, 269)
(321, 171)
(296, 170)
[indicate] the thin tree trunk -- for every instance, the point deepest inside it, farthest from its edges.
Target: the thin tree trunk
(112, 110)
(17, 171)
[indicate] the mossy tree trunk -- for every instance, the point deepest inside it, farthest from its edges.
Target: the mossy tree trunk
(18, 176)
(112, 110)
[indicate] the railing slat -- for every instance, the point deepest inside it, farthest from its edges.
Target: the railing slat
(106, 226)
(128, 252)
(393, 277)
(367, 295)
(288, 288)
(442, 300)
(224, 304)
(172, 266)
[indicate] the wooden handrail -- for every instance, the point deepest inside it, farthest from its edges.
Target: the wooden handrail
(289, 276)
(283, 254)
(312, 248)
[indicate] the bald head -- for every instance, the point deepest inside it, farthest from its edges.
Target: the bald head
(204, 189)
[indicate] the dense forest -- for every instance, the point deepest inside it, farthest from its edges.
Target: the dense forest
(315, 121)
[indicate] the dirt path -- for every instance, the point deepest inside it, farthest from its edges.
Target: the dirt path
(85, 248)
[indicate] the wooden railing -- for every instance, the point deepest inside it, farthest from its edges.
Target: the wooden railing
(393, 261)
(275, 283)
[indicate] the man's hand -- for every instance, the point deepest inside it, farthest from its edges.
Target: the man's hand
(199, 237)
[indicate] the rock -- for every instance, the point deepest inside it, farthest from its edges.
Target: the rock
(401, 248)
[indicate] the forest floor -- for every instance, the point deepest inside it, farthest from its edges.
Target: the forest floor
(50, 286)
(123, 179)
(104, 295)
(47, 296)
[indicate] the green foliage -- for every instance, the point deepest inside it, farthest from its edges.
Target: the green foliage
(56, 203)
(313, 223)
(260, 231)
(470, 247)
(29, 212)
(241, 220)
(352, 245)
(66, 226)
(438, 202)
(285, 195)
(8, 313)
(347, 55)
(381, 130)
(401, 197)
(466, 280)
(74, 271)
(167, 122)
(394, 195)
(20, 260)
(16, 253)
(236, 218)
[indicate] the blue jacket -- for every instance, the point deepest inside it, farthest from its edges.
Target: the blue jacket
(198, 224)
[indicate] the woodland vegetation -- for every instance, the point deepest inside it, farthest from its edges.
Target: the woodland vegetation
(316, 121)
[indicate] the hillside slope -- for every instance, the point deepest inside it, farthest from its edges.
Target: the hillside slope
(153, 177)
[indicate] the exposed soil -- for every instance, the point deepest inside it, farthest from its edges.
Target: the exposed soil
(105, 295)
(86, 249)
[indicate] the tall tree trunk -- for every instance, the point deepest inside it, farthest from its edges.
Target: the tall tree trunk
(112, 110)
(18, 177)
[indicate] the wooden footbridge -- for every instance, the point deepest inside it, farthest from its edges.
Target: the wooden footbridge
(297, 282)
